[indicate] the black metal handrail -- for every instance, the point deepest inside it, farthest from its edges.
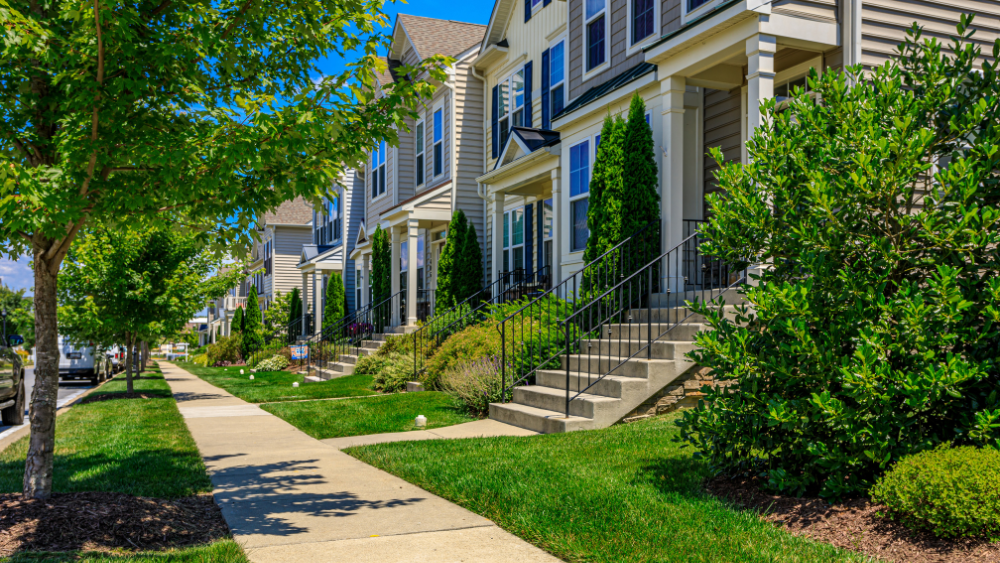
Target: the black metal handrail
(509, 286)
(528, 332)
(613, 319)
(347, 336)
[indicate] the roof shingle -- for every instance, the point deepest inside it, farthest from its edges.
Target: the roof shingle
(441, 37)
(294, 212)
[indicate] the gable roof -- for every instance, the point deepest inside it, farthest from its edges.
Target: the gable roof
(389, 76)
(502, 10)
(524, 141)
(294, 212)
(440, 37)
(620, 81)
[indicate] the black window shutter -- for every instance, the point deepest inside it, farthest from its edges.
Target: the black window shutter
(527, 10)
(495, 121)
(541, 234)
(528, 85)
(546, 118)
(546, 3)
(528, 239)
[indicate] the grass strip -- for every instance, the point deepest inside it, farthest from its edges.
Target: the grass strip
(138, 447)
(276, 386)
(375, 415)
(628, 493)
(224, 551)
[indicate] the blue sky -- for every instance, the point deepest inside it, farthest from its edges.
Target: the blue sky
(17, 274)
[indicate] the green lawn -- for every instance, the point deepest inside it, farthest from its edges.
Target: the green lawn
(274, 386)
(135, 446)
(375, 415)
(225, 551)
(628, 493)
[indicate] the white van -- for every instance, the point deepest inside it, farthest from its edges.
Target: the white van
(82, 362)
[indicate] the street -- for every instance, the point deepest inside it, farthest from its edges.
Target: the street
(68, 390)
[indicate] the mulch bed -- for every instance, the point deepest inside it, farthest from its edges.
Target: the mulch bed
(853, 525)
(112, 396)
(105, 522)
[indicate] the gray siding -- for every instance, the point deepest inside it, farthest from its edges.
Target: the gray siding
(354, 212)
(722, 129)
(470, 145)
(288, 242)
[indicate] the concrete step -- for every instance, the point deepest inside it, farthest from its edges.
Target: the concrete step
(637, 331)
(539, 420)
(677, 314)
(662, 350)
(601, 365)
(677, 299)
(312, 379)
(615, 386)
(586, 405)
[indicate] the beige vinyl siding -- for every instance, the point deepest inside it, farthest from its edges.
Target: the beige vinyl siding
(885, 23)
(825, 10)
(722, 129)
(470, 145)
(617, 33)
(288, 242)
(529, 39)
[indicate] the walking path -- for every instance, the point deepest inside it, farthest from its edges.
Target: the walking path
(290, 498)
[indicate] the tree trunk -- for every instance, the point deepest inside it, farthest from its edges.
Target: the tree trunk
(143, 355)
(41, 445)
(129, 343)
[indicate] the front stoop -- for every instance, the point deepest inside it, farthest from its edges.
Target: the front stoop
(660, 380)
(345, 364)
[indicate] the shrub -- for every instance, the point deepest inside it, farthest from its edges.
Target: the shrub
(395, 373)
(537, 338)
(396, 344)
(371, 364)
(477, 341)
(225, 349)
(275, 363)
(951, 492)
(200, 359)
(474, 384)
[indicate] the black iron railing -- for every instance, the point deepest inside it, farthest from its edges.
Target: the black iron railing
(628, 319)
(531, 337)
(509, 286)
(346, 337)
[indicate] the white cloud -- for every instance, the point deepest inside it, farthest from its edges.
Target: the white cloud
(17, 274)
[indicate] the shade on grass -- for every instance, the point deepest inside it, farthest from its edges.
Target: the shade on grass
(225, 551)
(134, 446)
(273, 386)
(375, 415)
(628, 493)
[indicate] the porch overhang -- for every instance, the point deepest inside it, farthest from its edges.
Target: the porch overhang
(321, 258)
(431, 206)
(529, 175)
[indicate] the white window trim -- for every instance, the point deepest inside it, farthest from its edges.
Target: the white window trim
(508, 218)
(416, 129)
(565, 82)
(382, 195)
(634, 48)
(438, 106)
(536, 7)
(592, 153)
(508, 82)
(687, 16)
(591, 73)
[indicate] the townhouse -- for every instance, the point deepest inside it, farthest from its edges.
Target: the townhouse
(554, 70)
(412, 189)
(281, 234)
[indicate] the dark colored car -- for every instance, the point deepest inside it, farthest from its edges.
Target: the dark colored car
(12, 393)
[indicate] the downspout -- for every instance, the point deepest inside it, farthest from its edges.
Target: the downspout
(480, 191)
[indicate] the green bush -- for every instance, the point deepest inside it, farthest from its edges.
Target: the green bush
(477, 341)
(951, 492)
(275, 363)
(371, 364)
(873, 330)
(395, 373)
(200, 359)
(475, 384)
(225, 349)
(538, 337)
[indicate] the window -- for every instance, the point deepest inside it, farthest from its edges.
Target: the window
(357, 289)
(596, 23)
(643, 19)
(334, 221)
(438, 142)
(535, 3)
(547, 232)
(511, 105)
(378, 170)
(786, 91)
(420, 153)
(694, 4)
(513, 240)
(557, 77)
(579, 188)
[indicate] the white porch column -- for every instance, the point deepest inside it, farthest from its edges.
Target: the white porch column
(365, 273)
(760, 77)
(413, 230)
(394, 281)
(672, 89)
(305, 301)
(498, 204)
(317, 312)
(557, 220)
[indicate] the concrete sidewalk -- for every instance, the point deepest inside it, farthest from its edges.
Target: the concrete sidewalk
(289, 498)
(475, 429)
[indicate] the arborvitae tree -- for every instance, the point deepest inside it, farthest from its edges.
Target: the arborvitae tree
(640, 203)
(447, 291)
(471, 265)
(237, 324)
(294, 315)
(606, 187)
(253, 326)
(381, 278)
(336, 301)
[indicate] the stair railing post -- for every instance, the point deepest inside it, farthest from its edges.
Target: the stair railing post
(567, 368)
(649, 315)
(503, 363)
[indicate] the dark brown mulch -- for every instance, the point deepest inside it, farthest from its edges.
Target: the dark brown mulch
(854, 525)
(113, 396)
(105, 522)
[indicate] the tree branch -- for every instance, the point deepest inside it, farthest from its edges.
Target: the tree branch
(236, 19)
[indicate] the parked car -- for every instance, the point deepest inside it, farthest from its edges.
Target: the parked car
(82, 362)
(116, 355)
(12, 392)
